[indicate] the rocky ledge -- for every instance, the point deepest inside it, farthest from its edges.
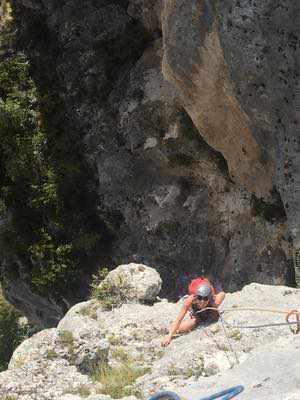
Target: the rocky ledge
(69, 362)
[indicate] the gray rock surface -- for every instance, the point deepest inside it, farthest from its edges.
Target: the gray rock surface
(272, 372)
(42, 379)
(39, 310)
(260, 43)
(89, 348)
(207, 360)
(194, 62)
(137, 282)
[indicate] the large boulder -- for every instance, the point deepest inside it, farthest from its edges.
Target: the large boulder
(133, 282)
(77, 339)
(88, 346)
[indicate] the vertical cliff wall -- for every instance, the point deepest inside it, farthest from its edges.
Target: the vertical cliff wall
(184, 114)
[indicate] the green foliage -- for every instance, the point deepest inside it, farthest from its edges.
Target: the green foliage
(8, 397)
(12, 333)
(54, 259)
(121, 355)
(172, 370)
(51, 227)
(6, 13)
(82, 390)
(118, 381)
(19, 361)
(223, 347)
(99, 293)
(115, 340)
(51, 354)
(66, 338)
(90, 310)
(197, 370)
(188, 372)
(99, 277)
(28, 184)
(110, 293)
(235, 334)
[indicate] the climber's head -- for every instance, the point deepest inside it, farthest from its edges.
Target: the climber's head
(204, 291)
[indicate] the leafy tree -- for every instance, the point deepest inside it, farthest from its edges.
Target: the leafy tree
(12, 333)
(49, 220)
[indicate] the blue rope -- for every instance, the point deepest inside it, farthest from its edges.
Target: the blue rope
(170, 395)
(228, 393)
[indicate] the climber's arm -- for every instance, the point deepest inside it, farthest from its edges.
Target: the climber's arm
(219, 298)
(174, 327)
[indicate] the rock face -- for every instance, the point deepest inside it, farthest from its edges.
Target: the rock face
(187, 114)
(61, 362)
(137, 282)
(194, 61)
(262, 52)
(265, 375)
(39, 310)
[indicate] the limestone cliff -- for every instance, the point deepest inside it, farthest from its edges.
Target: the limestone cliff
(186, 113)
(67, 362)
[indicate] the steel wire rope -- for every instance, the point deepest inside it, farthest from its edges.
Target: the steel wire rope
(221, 312)
(271, 310)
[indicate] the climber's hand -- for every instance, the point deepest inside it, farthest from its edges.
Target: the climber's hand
(166, 341)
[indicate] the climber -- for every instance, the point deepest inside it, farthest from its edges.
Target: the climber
(202, 294)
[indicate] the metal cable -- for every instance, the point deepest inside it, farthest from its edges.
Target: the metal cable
(221, 312)
(263, 325)
(228, 341)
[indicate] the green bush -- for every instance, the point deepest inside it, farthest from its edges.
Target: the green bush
(29, 184)
(46, 189)
(118, 381)
(11, 332)
(8, 397)
(110, 294)
(82, 390)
